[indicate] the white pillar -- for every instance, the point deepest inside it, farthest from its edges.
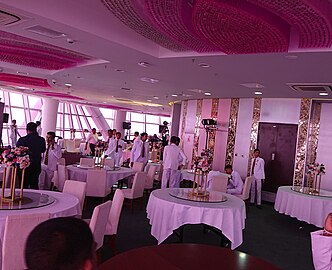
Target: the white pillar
(49, 115)
(175, 120)
(120, 117)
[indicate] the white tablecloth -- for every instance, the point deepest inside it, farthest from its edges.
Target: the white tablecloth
(308, 208)
(79, 174)
(167, 213)
(66, 205)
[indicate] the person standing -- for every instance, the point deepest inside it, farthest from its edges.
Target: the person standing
(235, 183)
(140, 151)
(258, 173)
(13, 133)
(136, 136)
(171, 163)
(39, 128)
(49, 161)
(36, 145)
(115, 149)
(92, 140)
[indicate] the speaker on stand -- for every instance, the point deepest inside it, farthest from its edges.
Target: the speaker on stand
(126, 126)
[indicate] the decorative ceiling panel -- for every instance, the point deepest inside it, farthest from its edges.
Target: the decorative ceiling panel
(28, 52)
(13, 79)
(228, 26)
(58, 95)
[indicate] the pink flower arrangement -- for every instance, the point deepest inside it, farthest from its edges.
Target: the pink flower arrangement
(16, 157)
(316, 168)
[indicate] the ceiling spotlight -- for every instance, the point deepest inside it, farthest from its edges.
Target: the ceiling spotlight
(155, 97)
(323, 94)
(204, 65)
(207, 94)
(143, 64)
(149, 100)
(258, 93)
(150, 80)
(119, 70)
(68, 84)
(174, 95)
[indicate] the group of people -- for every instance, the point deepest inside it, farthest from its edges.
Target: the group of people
(14, 133)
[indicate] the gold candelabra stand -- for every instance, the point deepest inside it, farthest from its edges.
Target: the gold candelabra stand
(99, 160)
(12, 173)
(200, 183)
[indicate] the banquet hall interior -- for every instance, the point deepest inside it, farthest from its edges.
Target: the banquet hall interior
(223, 77)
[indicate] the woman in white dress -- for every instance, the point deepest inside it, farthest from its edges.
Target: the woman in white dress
(13, 133)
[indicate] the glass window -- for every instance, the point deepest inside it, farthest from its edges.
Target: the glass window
(66, 108)
(75, 122)
(152, 129)
(85, 111)
(162, 119)
(67, 135)
(16, 100)
(110, 122)
(91, 122)
(35, 102)
(60, 108)
(137, 117)
(152, 119)
(107, 113)
(35, 115)
(18, 114)
(137, 127)
(59, 121)
(67, 123)
(83, 122)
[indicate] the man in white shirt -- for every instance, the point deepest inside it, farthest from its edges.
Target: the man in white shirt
(257, 170)
(140, 151)
(235, 183)
(115, 149)
(49, 161)
(136, 136)
(172, 155)
(39, 128)
(92, 139)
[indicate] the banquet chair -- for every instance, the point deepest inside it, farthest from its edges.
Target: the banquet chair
(219, 183)
(150, 178)
(70, 147)
(16, 232)
(62, 161)
(246, 189)
(109, 162)
(76, 188)
(62, 177)
(98, 222)
(137, 190)
(138, 166)
(113, 218)
(87, 162)
(96, 183)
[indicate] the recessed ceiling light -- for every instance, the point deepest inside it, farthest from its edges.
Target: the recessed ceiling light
(207, 94)
(104, 101)
(291, 57)
(323, 94)
(174, 95)
(22, 73)
(252, 85)
(149, 100)
(196, 90)
(119, 70)
(68, 84)
(204, 65)
(143, 64)
(155, 97)
(150, 80)
(258, 93)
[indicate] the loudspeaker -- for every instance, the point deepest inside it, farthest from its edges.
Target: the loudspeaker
(5, 117)
(209, 122)
(126, 125)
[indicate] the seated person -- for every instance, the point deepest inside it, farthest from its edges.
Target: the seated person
(321, 242)
(61, 243)
(235, 183)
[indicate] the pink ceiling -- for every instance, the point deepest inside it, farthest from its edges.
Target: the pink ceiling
(12, 79)
(58, 95)
(229, 26)
(28, 52)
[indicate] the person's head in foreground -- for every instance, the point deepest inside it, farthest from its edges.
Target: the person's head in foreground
(61, 244)
(257, 153)
(228, 169)
(31, 127)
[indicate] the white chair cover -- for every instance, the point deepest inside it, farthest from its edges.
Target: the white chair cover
(62, 176)
(87, 162)
(321, 250)
(96, 183)
(138, 166)
(17, 230)
(114, 216)
(246, 189)
(137, 189)
(98, 222)
(150, 177)
(219, 183)
(76, 188)
(62, 161)
(109, 162)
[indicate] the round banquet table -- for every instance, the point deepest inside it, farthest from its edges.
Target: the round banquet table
(185, 256)
(80, 174)
(309, 208)
(167, 213)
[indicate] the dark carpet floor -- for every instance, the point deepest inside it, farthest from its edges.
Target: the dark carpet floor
(279, 239)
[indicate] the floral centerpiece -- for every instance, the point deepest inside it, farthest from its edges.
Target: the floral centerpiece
(316, 168)
(14, 159)
(315, 172)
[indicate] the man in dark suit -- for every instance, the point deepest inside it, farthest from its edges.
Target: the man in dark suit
(37, 146)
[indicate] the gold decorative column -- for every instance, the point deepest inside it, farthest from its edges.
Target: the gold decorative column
(184, 115)
(212, 132)
(256, 115)
(234, 111)
(197, 127)
(314, 125)
(302, 141)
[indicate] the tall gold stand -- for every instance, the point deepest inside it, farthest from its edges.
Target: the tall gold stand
(99, 160)
(200, 183)
(13, 177)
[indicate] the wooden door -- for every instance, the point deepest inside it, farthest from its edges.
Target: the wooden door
(277, 143)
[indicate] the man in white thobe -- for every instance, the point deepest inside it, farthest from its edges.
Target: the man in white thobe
(49, 161)
(115, 149)
(257, 170)
(92, 140)
(235, 183)
(140, 151)
(172, 155)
